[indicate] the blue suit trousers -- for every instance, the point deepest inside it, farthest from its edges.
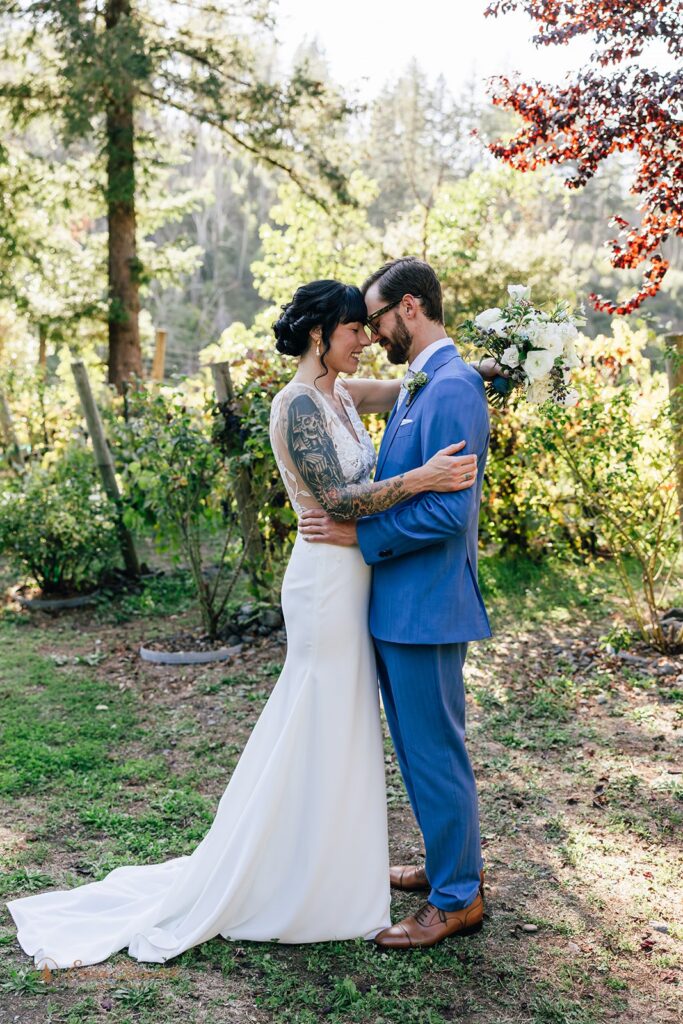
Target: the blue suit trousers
(424, 701)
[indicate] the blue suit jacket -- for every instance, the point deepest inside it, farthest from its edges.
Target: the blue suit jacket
(424, 551)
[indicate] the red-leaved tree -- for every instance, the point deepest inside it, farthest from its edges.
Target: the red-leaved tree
(613, 105)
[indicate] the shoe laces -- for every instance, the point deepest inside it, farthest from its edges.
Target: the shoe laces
(424, 913)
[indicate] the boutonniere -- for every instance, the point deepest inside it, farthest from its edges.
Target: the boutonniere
(415, 384)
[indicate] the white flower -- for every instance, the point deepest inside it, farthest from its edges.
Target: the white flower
(538, 363)
(568, 331)
(500, 327)
(518, 292)
(550, 339)
(539, 392)
(571, 356)
(534, 330)
(488, 317)
(571, 398)
(510, 357)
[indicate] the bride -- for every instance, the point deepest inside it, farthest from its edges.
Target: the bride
(298, 850)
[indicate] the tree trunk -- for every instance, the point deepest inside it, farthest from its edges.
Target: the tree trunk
(247, 505)
(42, 347)
(105, 464)
(125, 357)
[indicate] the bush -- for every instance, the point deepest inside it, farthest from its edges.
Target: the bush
(243, 435)
(175, 484)
(615, 455)
(58, 526)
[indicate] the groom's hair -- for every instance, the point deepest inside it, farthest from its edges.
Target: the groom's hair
(409, 276)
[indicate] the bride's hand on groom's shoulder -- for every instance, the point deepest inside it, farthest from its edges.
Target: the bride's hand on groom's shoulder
(316, 526)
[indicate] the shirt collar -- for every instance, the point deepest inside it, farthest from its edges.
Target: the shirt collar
(423, 357)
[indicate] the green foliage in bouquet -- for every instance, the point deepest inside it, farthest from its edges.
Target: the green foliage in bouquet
(57, 525)
(535, 347)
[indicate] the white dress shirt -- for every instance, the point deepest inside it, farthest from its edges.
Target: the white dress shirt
(420, 360)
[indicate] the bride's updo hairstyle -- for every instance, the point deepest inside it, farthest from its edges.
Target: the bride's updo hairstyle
(324, 304)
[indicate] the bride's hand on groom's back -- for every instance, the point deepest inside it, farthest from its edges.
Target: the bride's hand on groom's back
(446, 471)
(315, 525)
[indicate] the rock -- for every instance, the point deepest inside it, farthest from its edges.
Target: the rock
(573, 948)
(672, 615)
(529, 927)
(659, 926)
(601, 698)
(271, 618)
(667, 668)
(632, 659)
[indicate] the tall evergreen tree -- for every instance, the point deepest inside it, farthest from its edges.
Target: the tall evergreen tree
(104, 70)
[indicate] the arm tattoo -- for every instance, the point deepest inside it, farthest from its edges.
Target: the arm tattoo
(314, 456)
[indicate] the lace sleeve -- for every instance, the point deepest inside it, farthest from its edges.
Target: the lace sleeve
(304, 425)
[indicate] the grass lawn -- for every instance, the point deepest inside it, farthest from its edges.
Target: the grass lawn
(107, 761)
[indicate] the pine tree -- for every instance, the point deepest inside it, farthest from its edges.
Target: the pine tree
(105, 71)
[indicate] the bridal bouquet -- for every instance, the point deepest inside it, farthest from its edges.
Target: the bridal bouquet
(536, 348)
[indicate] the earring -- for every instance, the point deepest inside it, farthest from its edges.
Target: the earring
(317, 350)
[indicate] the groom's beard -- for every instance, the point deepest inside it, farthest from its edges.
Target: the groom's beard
(398, 343)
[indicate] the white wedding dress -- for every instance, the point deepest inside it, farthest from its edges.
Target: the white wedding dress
(297, 851)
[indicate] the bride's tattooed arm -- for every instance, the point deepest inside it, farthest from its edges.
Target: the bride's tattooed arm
(314, 456)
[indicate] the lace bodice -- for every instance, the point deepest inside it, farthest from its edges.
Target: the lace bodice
(357, 456)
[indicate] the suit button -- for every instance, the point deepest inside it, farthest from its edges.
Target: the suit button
(386, 554)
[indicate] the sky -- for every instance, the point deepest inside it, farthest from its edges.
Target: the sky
(371, 42)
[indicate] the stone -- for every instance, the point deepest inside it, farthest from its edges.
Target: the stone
(271, 618)
(632, 659)
(667, 668)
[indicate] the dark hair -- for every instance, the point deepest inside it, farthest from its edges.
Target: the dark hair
(324, 304)
(409, 276)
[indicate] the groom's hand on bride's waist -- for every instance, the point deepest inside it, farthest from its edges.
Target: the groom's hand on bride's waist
(315, 525)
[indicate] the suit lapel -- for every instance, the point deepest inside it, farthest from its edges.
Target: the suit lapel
(440, 357)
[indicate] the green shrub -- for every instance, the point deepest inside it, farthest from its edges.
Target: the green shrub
(58, 526)
(175, 484)
(615, 453)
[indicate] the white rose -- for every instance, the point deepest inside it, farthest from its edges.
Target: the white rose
(538, 392)
(518, 291)
(568, 331)
(571, 398)
(534, 331)
(488, 317)
(500, 327)
(550, 339)
(510, 357)
(538, 363)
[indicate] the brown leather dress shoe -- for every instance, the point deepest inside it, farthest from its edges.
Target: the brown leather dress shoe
(414, 879)
(431, 925)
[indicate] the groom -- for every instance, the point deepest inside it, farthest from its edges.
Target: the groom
(425, 603)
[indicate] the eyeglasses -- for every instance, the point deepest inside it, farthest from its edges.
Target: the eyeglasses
(373, 319)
